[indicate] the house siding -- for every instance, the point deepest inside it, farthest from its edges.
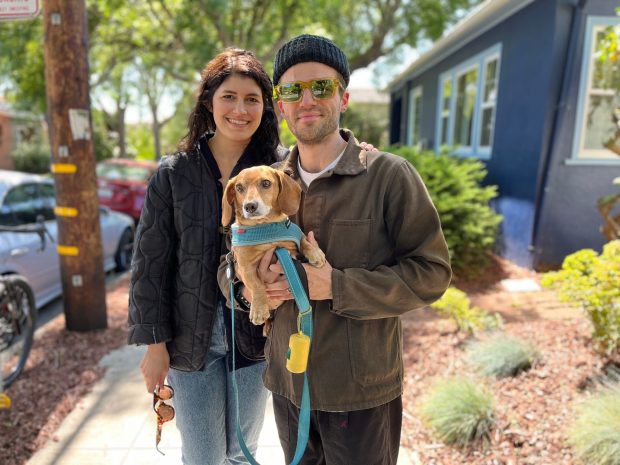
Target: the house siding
(569, 219)
(534, 49)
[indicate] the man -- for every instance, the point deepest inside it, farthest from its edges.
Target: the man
(371, 214)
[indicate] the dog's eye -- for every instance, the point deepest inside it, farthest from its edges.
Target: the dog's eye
(239, 188)
(266, 184)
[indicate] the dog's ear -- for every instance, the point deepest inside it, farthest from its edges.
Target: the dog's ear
(227, 202)
(289, 195)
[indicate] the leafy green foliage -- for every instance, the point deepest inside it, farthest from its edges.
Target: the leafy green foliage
(367, 121)
(469, 224)
(502, 355)
(595, 433)
(455, 304)
(592, 281)
(32, 157)
(459, 411)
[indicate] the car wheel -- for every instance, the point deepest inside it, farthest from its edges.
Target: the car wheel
(124, 251)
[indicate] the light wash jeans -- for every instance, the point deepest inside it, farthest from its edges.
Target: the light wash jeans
(205, 406)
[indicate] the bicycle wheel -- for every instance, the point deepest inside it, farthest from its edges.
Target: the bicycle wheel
(18, 317)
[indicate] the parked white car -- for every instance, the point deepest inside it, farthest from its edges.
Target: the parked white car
(24, 198)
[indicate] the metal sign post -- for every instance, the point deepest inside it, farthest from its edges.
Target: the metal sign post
(19, 9)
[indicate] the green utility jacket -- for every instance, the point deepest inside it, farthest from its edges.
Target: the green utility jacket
(374, 219)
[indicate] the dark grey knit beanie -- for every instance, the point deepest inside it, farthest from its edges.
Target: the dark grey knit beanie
(307, 47)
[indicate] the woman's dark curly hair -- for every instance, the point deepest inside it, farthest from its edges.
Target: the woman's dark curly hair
(243, 63)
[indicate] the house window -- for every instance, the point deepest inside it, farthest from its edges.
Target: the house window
(445, 110)
(466, 90)
(598, 137)
(487, 106)
(414, 132)
(466, 104)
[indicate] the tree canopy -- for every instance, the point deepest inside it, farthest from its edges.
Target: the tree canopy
(165, 43)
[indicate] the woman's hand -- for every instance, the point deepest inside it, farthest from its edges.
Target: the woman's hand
(271, 279)
(155, 365)
(368, 147)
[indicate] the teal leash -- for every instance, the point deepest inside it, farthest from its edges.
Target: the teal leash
(305, 327)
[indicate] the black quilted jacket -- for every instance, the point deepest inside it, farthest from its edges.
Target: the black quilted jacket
(174, 293)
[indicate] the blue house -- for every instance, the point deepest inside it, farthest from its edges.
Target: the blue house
(517, 83)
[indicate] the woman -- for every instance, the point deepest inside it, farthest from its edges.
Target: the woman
(175, 305)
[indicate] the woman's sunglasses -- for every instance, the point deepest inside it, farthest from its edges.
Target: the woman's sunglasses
(164, 411)
(320, 89)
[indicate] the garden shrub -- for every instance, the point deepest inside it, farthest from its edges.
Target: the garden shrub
(455, 304)
(595, 432)
(592, 281)
(32, 157)
(501, 355)
(459, 411)
(469, 224)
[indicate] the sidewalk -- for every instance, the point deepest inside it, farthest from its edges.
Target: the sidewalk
(115, 425)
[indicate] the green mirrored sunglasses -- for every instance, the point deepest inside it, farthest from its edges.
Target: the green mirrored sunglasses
(320, 89)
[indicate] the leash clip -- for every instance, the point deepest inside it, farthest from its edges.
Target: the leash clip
(230, 268)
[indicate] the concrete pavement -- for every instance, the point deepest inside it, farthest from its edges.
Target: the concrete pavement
(115, 425)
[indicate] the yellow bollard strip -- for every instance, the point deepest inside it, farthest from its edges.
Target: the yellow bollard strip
(67, 250)
(65, 211)
(64, 168)
(5, 401)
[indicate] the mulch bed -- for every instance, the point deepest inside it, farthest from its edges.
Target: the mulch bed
(62, 367)
(532, 409)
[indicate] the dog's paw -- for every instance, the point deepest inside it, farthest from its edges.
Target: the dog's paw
(316, 257)
(258, 315)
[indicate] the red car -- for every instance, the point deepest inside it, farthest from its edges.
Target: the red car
(122, 184)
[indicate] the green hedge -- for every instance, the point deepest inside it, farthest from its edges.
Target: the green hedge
(469, 223)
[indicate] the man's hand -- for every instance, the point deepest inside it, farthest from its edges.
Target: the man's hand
(155, 365)
(319, 280)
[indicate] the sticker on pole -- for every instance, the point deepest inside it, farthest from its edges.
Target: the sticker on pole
(19, 9)
(80, 124)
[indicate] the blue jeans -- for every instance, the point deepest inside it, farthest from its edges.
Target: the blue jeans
(205, 406)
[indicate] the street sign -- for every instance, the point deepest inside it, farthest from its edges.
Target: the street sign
(19, 9)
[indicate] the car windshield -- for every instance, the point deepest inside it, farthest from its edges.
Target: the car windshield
(128, 173)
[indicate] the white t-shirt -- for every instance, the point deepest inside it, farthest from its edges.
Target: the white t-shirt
(308, 177)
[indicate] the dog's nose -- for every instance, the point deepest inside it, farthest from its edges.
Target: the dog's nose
(250, 207)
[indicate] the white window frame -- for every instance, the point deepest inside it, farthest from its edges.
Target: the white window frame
(443, 113)
(413, 94)
(476, 62)
(580, 155)
(485, 150)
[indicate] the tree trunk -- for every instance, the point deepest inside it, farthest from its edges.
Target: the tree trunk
(73, 164)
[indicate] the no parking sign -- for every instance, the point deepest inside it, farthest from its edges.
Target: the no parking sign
(19, 9)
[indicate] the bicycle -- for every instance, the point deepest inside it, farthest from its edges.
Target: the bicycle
(18, 316)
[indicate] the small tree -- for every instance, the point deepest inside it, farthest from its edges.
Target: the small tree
(592, 281)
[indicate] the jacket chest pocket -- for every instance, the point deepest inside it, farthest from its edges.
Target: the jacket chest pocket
(349, 243)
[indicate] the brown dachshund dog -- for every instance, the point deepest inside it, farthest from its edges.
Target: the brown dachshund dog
(263, 195)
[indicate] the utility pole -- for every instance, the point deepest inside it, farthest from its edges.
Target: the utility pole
(73, 164)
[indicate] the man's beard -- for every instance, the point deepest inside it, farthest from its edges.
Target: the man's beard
(314, 135)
